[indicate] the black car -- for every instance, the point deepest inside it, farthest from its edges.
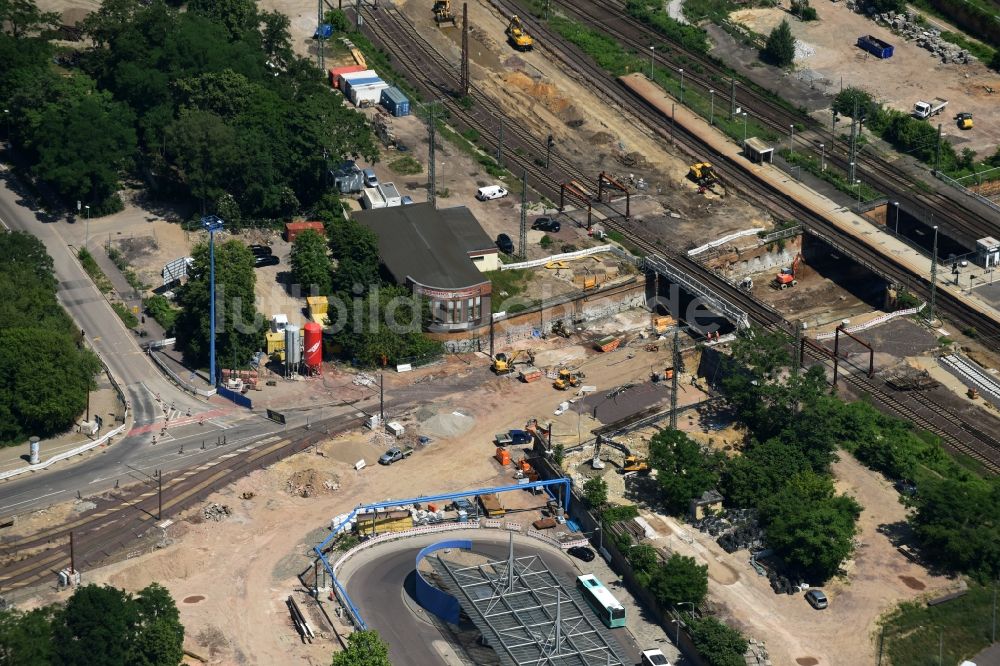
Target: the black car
(581, 553)
(546, 224)
(261, 250)
(267, 260)
(505, 244)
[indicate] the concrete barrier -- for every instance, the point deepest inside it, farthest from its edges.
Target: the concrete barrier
(65, 454)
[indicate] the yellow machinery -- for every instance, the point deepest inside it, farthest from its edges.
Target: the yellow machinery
(635, 464)
(517, 37)
(662, 323)
(443, 13)
(964, 120)
(566, 379)
(703, 174)
(503, 364)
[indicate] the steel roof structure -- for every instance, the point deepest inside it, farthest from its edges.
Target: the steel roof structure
(528, 614)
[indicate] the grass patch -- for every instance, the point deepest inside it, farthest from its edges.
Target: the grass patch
(125, 314)
(912, 632)
(511, 283)
(130, 276)
(160, 309)
(406, 165)
(93, 270)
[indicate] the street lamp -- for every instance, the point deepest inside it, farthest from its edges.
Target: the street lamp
(681, 70)
(677, 639)
(858, 183)
(791, 139)
(86, 238)
(744, 132)
(822, 158)
(896, 205)
(211, 224)
(711, 113)
(652, 52)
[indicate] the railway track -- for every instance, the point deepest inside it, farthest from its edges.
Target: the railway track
(967, 220)
(131, 515)
(434, 73)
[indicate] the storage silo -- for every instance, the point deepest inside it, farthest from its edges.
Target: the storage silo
(293, 346)
(313, 347)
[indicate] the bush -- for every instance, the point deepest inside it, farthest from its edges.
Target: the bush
(125, 314)
(406, 165)
(160, 309)
(717, 643)
(780, 47)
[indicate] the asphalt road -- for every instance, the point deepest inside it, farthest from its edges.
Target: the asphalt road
(377, 584)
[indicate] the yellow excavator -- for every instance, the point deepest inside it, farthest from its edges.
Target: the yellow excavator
(703, 174)
(503, 364)
(635, 464)
(517, 37)
(443, 13)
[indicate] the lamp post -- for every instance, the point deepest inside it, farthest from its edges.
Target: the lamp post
(858, 183)
(211, 224)
(711, 113)
(822, 157)
(896, 206)
(681, 70)
(677, 638)
(6, 115)
(652, 53)
(791, 139)
(86, 238)
(744, 132)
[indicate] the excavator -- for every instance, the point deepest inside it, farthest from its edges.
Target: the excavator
(503, 364)
(443, 13)
(630, 462)
(517, 36)
(567, 378)
(788, 277)
(703, 174)
(634, 463)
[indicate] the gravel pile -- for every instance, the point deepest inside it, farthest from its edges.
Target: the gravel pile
(217, 512)
(448, 424)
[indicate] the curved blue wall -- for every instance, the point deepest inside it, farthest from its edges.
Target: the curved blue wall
(431, 598)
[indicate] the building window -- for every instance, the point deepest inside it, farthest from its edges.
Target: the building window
(478, 309)
(470, 309)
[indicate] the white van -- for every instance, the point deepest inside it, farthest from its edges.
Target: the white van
(490, 192)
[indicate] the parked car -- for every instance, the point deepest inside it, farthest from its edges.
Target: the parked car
(816, 599)
(505, 244)
(653, 658)
(490, 192)
(546, 224)
(261, 250)
(267, 260)
(582, 553)
(371, 180)
(407, 200)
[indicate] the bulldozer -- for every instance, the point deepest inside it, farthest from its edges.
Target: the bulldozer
(566, 379)
(443, 13)
(788, 277)
(517, 36)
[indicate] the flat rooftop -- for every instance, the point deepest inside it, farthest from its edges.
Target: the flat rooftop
(428, 246)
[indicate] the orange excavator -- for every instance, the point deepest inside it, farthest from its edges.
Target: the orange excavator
(788, 277)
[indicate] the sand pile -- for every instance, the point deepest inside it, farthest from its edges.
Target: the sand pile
(446, 425)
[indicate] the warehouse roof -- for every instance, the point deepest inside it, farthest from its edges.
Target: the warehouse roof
(430, 247)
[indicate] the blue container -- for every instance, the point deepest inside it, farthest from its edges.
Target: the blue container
(324, 31)
(395, 102)
(875, 46)
(351, 83)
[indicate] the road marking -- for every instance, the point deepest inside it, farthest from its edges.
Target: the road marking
(33, 499)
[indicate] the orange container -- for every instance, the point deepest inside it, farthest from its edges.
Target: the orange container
(502, 456)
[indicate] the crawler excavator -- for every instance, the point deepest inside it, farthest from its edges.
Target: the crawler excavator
(517, 36)
(443, 13)
(788, 277)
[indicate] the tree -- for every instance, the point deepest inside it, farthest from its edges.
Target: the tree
(761, 471)
(159, 638)
(844, 102)
(26, 638)
(364, 648)
(886, 6)
(239, 328)
(206, 151)
(237, 16)
(644, 560)
(717, 643)
(311, 267)
(684, 471)
(679, 580)
(595, 491)
(20, 18)
(91, 630)
(780, 47)
(355, 247)
(956, 522)
(810, 527)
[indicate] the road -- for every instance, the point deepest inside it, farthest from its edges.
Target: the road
(141, 381)
(380, 584)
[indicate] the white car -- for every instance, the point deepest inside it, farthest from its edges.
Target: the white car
(490, 192)
(653, 658)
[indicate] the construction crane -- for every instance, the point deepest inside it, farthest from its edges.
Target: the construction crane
(788, 277)
(443, 13)
(517, 36)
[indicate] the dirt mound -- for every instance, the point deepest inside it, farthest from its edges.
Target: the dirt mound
(546, 94)
(308, 482)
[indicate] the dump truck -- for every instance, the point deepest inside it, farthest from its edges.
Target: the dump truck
(492, 508)
(394, 454)
(924, 109)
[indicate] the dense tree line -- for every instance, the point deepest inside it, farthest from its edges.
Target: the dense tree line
(45, 373)
(209, 103)
(98, 626)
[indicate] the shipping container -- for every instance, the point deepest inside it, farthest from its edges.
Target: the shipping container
(380, 522)
(293, 229)
(351, 84)
(350, 76)
(395, 102)
(336, 73)
(875, 46)
(368, 94)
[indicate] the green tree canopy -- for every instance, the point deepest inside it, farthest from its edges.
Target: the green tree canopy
(679, 580)
(311, 268)
(239, 327)
(780, 47)
(844, 101)
(595, 491)
(26, 638)
(717, 643)
(684, 472)
(364, 648)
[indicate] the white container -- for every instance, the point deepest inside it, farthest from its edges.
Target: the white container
(395, 428)
(368, 95)
(373, 198)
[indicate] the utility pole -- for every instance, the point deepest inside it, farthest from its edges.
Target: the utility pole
(465, 49)
(500, 144)
(72, 555)
(934, 260)
(732, 98)
(548, 149)
(381, 398)
(674, 381)
(854, 139)
(357, 17)
(523, 238)
(937, 150)
(159, 494)
(798, 345)
(431, 161)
